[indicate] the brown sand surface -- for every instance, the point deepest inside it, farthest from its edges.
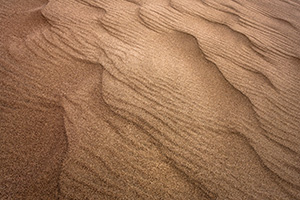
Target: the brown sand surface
(150, 99)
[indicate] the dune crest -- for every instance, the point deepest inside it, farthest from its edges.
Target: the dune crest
(148, 99)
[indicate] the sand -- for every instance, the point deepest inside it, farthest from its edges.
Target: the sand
(150, 99)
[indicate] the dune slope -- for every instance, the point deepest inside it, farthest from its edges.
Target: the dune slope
(150, 99)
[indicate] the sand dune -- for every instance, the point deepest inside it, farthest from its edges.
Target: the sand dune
(150, 99)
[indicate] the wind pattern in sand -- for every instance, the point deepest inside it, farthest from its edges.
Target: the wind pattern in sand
(150, 99)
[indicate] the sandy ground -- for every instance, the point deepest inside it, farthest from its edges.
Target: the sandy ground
(150, 99)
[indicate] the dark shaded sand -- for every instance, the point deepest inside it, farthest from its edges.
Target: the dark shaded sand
(150, 99)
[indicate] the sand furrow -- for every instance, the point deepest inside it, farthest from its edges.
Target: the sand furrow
(150, 99)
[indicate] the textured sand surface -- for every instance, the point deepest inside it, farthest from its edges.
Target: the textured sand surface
(150, 99)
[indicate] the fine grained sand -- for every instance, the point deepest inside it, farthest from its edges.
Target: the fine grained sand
(150, 99)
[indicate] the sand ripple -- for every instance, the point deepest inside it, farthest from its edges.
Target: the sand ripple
(150, 99)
